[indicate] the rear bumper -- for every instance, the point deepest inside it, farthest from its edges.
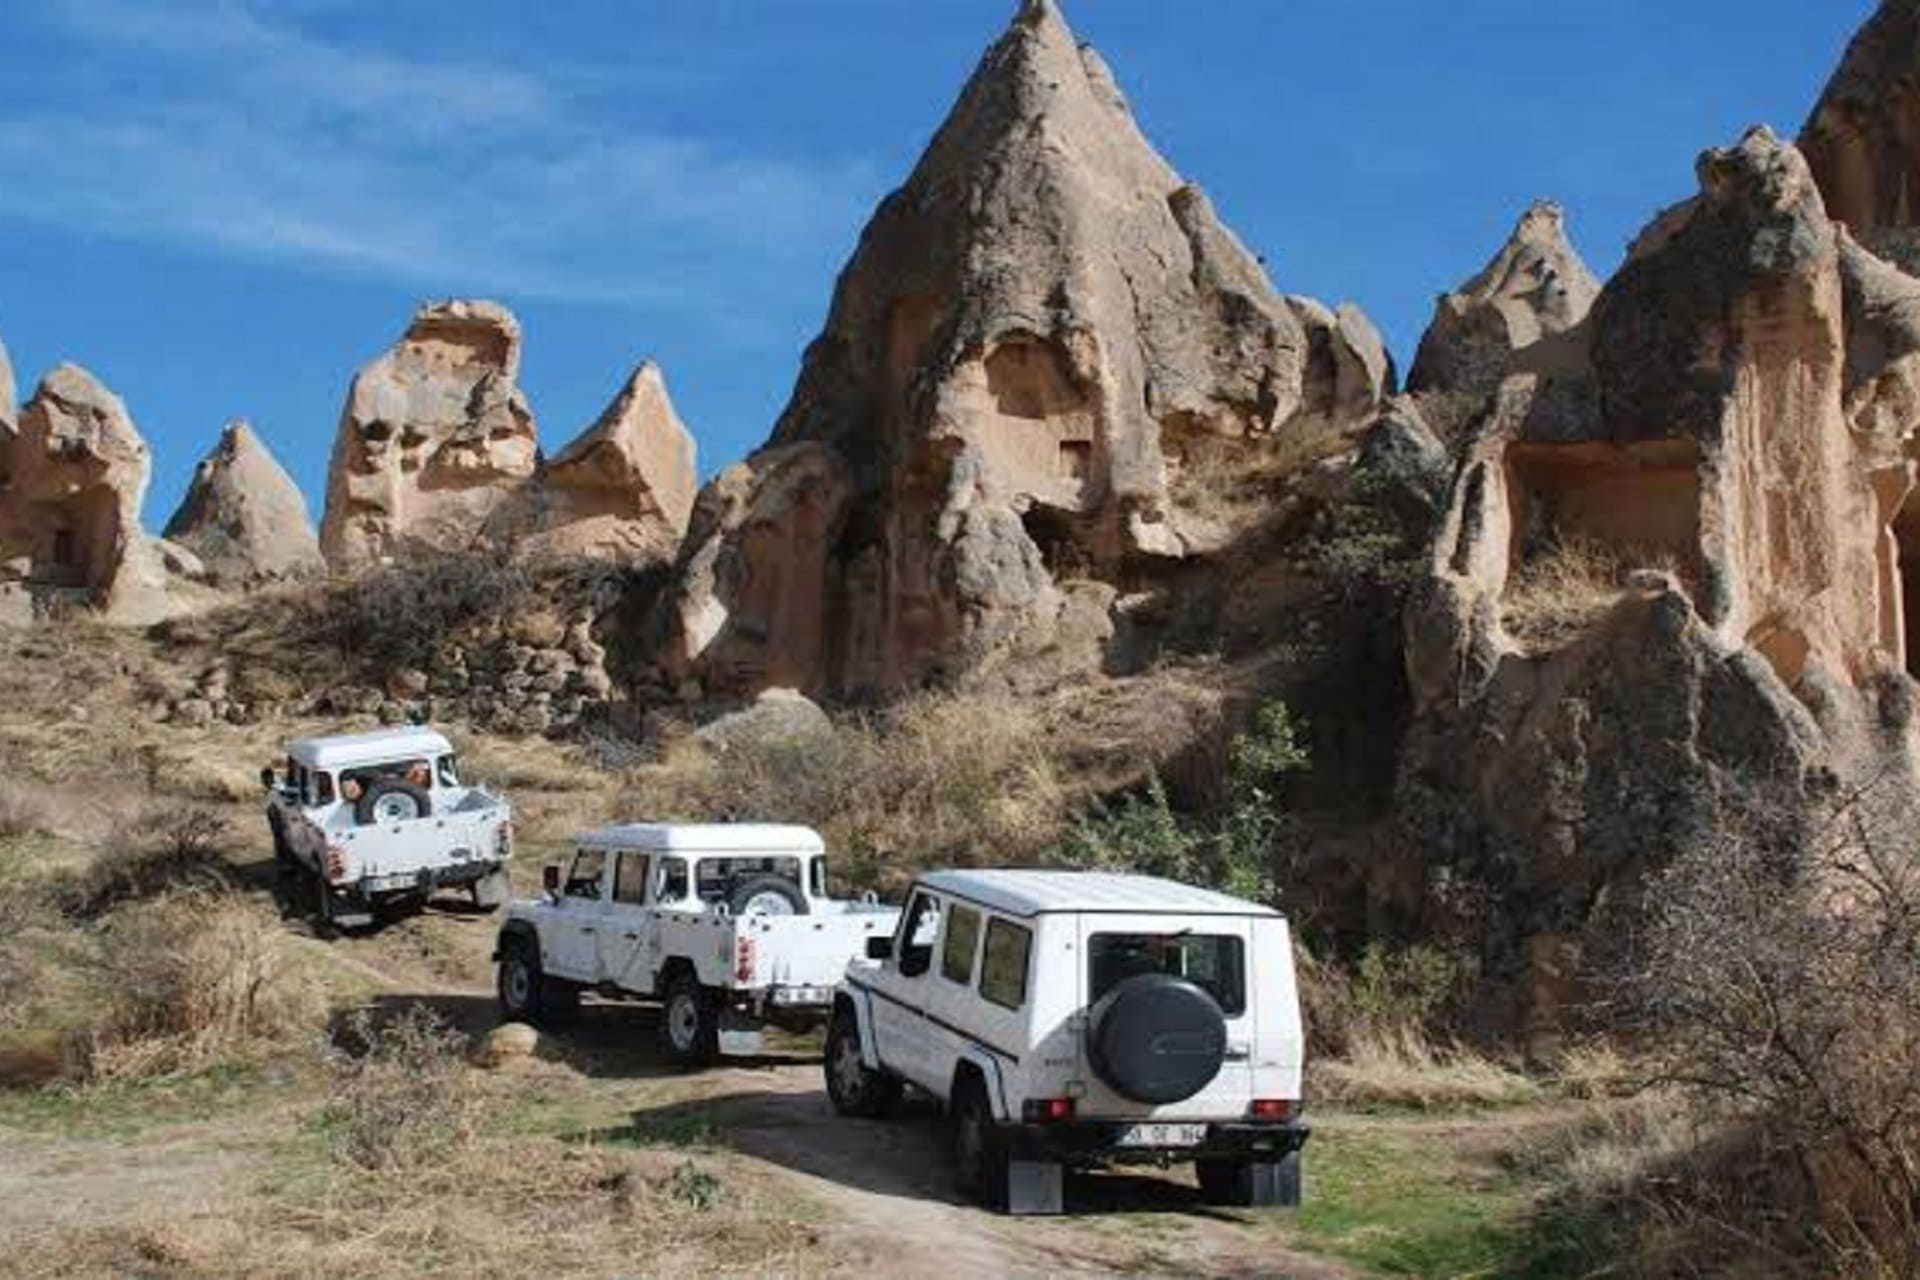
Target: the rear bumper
(1091, 1142)
(424, 880)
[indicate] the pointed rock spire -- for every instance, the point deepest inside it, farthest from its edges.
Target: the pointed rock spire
(1536, 286)
(9, 411)
(1038, 335)
(626, 487)
(1860, 141)
(244, 517)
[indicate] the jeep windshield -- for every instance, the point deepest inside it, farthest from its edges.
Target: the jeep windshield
(1216, 963)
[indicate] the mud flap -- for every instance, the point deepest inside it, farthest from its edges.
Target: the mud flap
(740, 1036)
(1036, 1187)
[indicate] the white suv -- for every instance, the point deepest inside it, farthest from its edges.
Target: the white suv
(1083, 1019)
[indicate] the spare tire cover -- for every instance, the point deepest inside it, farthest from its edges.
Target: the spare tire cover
(1156, 1038)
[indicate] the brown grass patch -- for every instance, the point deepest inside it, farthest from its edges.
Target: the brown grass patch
(1404, 1069)
(1563, 590)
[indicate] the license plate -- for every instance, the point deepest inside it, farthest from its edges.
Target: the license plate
(1163, 1135)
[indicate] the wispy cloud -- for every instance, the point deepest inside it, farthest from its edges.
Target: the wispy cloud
(228, 124)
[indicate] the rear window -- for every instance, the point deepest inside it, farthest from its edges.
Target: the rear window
(1216, 963)
(715, 879)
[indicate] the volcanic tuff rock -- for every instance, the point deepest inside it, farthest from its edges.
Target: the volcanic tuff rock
(1037, 334)
(438, 452)
(1863, 139)
(435, 438)
(1720, 487)
(244, 517)
(9, 410)
(1536, 287)
(625, 489)
(71, 484)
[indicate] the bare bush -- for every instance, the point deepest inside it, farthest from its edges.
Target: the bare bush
(164, 848)
(1784, 992)
(194, 978)
(406, 1099)
(1566, 587)
(398, 615)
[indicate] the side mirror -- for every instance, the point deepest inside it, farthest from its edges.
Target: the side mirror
(550, 878)
(880, 947)
(268, 779)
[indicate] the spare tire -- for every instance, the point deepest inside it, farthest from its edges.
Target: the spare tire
(1156, 1038)
(767, 895)
(392, 800)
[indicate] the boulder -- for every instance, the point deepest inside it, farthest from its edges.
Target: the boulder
(778, 717)
(625, 489)
(1044, 342)
(1535, 287)
(75, 475)
(244, 517)
(507, 1044)
(1718, 486)
(435, 444)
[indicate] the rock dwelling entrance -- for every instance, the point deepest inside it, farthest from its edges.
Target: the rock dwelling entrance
(1906, 536)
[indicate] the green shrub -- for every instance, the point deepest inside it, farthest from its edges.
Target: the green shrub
(1404, 989)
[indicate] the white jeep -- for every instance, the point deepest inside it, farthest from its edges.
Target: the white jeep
(382, 817)
(1081, 1019)
(729, 927)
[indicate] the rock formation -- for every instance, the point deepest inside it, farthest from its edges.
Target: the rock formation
(9, 410)
(435, 441)
(71, 483)
(1043, 350)
(244, 517)
(625, 489)
(1863, 139)
(1536, 287)
(1711, 501)
(438, 453)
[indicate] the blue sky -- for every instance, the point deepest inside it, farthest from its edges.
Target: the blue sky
(224, 207)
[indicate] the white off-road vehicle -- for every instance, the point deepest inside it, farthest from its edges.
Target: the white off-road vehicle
(1081, 1019)
(729, 927)
(381, 818)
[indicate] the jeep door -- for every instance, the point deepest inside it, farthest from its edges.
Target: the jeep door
(900, 990)
(570, 936)
(627, 927)
(1214, 953)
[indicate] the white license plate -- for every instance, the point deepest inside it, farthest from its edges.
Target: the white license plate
(1163, 1135)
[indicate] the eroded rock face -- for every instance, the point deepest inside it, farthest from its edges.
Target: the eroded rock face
(1863, 139)
(625, 489)
(9, 409)
(71, 484)
(1536, 287)
(1715, 490)
(435, 442)
(244, 518)
(1038, 332)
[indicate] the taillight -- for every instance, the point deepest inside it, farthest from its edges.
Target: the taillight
(1273, 1109)
(1046, 1110)
(743, 960)
(336, 864)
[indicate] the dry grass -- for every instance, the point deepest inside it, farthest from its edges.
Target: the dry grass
(194, 978)
(403, 1101)
(1401, 1068)
(1562, 591)
(163, 849)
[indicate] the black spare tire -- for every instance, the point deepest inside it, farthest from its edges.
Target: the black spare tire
(1156, 1038)
(767, 895)
(392, 800)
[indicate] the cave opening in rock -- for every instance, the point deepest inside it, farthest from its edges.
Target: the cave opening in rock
(1906, 537)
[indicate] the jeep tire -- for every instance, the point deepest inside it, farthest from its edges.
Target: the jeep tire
(765, 893)
(690, 1022)
(1156, 1039)
(392, 800)
(519, 982)
(980, 1161)
(1252, 1184)
(855, 1088)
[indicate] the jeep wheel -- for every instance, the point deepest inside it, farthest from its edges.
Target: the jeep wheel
(1252, 1184)
(520, 983)
(979, 1161)
(392, 800)
(855, 1088)
(767, 896)
(690, 1023)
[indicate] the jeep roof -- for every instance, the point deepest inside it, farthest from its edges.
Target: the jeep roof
(365, 748)
(722, 837)
(1031, 893)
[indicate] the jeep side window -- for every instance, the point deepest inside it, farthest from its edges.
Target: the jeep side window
(917, 932)
(673, 881)
(449, 772)
(1003, 966)
(956, 953)
(630, 879)
(322, 787)
(583, 879)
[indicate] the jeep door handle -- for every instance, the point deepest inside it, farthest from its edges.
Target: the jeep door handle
(586, 928)
(631, 937)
